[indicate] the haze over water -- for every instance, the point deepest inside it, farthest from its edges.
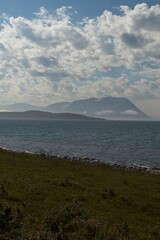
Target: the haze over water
(121, 142)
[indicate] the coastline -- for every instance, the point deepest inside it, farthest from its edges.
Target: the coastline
(134, 167)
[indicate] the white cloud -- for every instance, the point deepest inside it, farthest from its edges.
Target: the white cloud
(49, 58)
(103, 113)
(129, 112)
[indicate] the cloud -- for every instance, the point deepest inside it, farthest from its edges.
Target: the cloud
(145, 18)
(51, 58)
(132, 40)
(122, 87)
(103, 113)
(129, 112)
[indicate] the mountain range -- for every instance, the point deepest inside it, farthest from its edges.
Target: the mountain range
(106, 107)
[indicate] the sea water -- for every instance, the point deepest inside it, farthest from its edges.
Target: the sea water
(120, 142)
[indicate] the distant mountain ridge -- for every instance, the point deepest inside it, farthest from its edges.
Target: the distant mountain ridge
(106, 107)
(41, 115)
(18, 107)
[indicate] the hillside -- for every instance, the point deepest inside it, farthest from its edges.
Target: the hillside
(41, 115)
(50, 198)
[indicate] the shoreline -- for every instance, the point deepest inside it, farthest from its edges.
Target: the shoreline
(134, 167)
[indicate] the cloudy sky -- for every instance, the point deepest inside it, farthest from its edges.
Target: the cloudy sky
(63, 50)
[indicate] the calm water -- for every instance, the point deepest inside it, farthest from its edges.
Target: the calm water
(114, 142)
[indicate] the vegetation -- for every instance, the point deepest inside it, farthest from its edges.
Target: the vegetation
(45, 198)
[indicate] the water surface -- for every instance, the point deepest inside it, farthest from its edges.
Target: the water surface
(121, 142)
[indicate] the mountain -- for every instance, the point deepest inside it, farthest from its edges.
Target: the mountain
(41, 115)
(57, 107)
(107, 107)
(18, 107)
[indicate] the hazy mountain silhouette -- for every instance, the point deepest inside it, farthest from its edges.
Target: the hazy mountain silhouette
(106, 107)
(18, 107)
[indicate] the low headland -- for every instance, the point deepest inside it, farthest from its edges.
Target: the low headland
(48, 197)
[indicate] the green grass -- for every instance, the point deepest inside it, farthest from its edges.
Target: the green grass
(113, 199)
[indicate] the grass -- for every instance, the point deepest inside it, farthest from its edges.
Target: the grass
(44, 197)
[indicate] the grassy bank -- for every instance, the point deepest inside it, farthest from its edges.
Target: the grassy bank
(49, 198)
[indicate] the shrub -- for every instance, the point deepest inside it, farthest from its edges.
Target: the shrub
(10, 223)
(72, 222)
(3, 192)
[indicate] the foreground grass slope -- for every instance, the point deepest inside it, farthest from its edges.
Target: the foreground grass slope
(45, 197)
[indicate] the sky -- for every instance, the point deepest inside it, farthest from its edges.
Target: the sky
(64, 50)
